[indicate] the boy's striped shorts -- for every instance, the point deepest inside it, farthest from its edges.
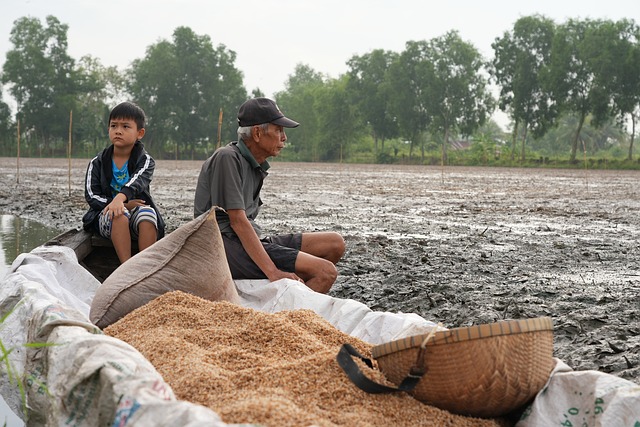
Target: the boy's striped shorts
(136, 216)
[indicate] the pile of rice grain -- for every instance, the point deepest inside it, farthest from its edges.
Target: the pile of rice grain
(271, 369)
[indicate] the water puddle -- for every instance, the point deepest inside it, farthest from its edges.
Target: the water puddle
(19, 235)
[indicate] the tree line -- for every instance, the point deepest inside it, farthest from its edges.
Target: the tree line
(565, 87)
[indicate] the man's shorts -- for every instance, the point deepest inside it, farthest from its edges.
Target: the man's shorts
(136, 216)
(283, 250)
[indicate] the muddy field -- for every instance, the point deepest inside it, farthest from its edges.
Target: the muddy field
(460, 246)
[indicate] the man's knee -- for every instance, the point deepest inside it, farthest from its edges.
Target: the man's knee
(326, 276)
(331, 272)
(341, 246)
(336, 248)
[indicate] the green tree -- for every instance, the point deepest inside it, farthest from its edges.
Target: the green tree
(593, 139)
(408, 79)
(438, 86)
(490, 131)
(367, 86)
(571, 76)
(519, 57)
(615, 59)
(339, 124)
(90, 118)
(7, 130)
(182, 85)
(458, 97)
(487, 143)
(299, 101)
(41, 77)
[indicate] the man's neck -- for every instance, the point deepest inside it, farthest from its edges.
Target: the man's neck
(251, 151)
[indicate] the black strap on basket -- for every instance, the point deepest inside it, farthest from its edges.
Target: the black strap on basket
(355, 374)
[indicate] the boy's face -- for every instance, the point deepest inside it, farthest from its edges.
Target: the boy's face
(123, 133)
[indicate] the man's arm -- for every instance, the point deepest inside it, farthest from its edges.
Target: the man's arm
(251, 243)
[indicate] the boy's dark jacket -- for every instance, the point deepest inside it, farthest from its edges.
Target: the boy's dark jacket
(97, 186)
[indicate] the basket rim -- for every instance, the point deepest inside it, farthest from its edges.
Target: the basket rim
(470, 333)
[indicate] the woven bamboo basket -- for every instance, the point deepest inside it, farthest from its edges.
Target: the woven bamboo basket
(486, 370)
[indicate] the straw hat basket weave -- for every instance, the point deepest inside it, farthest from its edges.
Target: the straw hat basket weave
(486, 370)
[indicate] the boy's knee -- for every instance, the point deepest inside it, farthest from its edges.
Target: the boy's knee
(120, 221)
(147, 225)
(147, 230)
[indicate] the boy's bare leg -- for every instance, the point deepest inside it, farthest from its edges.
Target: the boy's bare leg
(147, 235)
(121, 237)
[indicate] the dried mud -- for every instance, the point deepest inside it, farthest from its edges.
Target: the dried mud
(460, 246)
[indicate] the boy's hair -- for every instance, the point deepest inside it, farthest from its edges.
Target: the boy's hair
(128, 110)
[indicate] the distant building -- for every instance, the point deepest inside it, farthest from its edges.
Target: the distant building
(460, 144)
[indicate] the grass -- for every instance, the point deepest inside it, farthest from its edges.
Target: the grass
(14, 376)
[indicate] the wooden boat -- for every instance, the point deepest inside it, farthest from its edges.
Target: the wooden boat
(97, 256)
(95, 253)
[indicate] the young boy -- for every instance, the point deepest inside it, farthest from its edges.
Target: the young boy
(117, 186)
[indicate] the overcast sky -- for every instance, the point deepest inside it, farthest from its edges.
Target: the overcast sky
(271, 36)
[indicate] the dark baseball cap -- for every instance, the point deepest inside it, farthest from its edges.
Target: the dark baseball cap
(257, 111)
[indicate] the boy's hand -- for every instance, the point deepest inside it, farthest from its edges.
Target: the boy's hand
(115, 208)
(131, 204)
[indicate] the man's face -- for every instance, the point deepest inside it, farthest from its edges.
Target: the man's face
(272, 142)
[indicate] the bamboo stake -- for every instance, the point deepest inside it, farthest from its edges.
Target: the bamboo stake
(69, 149)
(18, 156)
(586, 169)
(219, 128)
